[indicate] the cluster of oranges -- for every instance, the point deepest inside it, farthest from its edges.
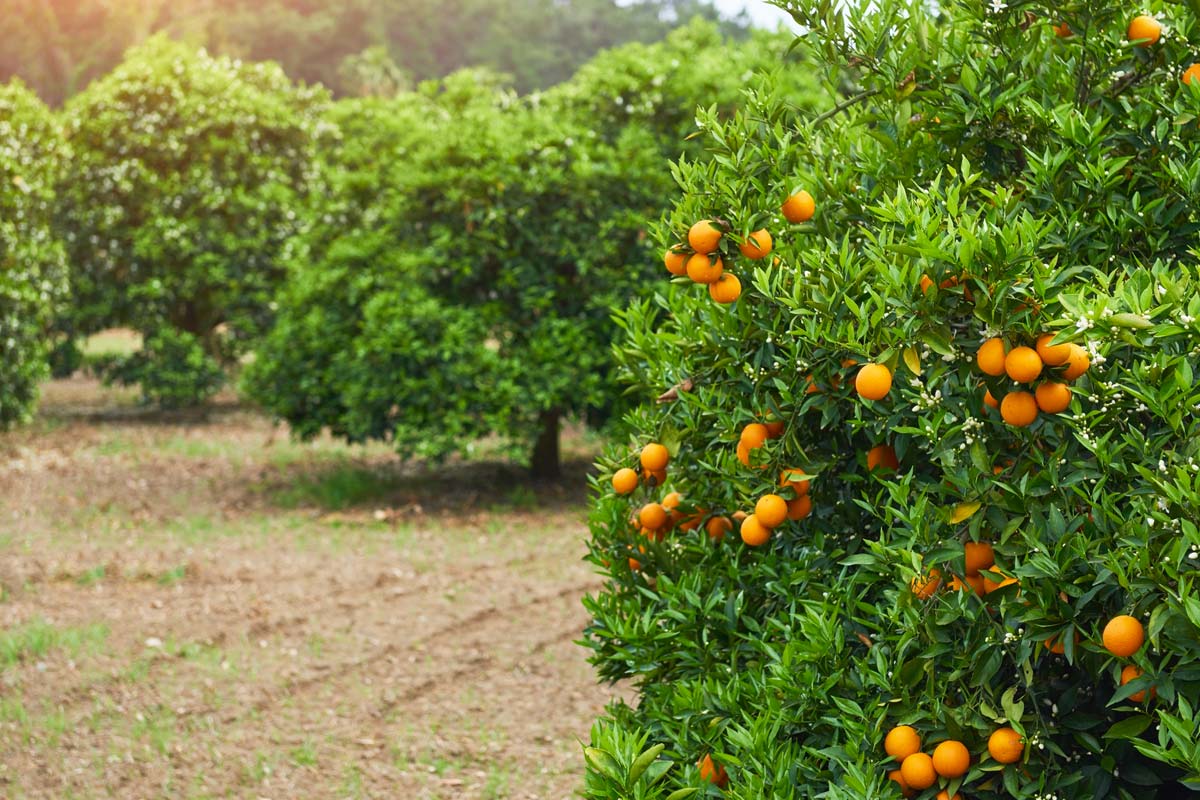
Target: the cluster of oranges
(951, 759)
(979, 558)
(1143, 31)
(701, 259)
(1025, 365)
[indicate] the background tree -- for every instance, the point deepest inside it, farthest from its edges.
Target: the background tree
(956, 409)
(182, 192)
(32, 270)
(460, 282)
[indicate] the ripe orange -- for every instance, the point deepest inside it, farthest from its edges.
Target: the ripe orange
(703, 268)
(652, 516)
(1131, 673)
(1052, 397)
(990, 400)
(799, 508)
(901, 742)
(1144, 27)
(754, 434)
(717, 527)
(634, 564)
(895, 775)
(775, 429)
(754, 533)
(990, 357)
(1063, 31)
(676, 262)
(978, 556)
(1123, 636)
(923, 586)
(725, 289)
(1023, 364)
(757, 244)
(1006, 746)
(973, 582)
(990, 585)
(624, 481)
(712, 772)
(1019, 409)
(655, 457)
(951, 759)
(944, 795)
(1052, 355)
(873, 382)
(1055, 645)
(670, 503)
(704, 237)
(883, 458)
(917, 771)
(655, 477)
(743, 453)
(771, 510)
(1077, 363)
(797, 479)
(800, 207)
(1191, 73)
(926, 284)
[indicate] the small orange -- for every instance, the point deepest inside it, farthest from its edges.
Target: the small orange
(771, 510)
(1019, 409)
(990, 585)
(1191, 73)
(1006, 746)
(655, 477)
(655, 457)
(883, 458)
(799, 508)
(973, 582)
(990, 357)
(1077, 363)
(775, 428)
(1063, 31)
(873, 382)
(797, 479)
(990, 400)
(676, 262)
(671, 503)
(1055, 645)
(800, 207)
(917, 771)
(1144, 29)
(624, 481)
(1023, 364)
(926, 284)
(757, 244)
(951, 759)
(653, 516)
(754, 434)
(1131, 673)
(634, 564)
(725, 289)
(712, 772)
(1123, 636)
(704, 237)
(717, 527)
(978, 556)
(1052, 355)
(924, 586)
(1053, 398)
(896, 776)
(754, 533)
(901, 742)
(703, 268)
(743, 453)
(944, 795)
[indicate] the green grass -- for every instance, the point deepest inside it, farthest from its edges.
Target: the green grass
(38, 638)
(173, 576)
(341, 487)
(111, 343)
(305, 755)
(92, 576)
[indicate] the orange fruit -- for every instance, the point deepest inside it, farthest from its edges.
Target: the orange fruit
(771, 510)
(703, 268)
(1144, 29)
(799, 508)
(1063, 31)
(774, 429)
(917, 771)
(1052, 355)
(676, 262)
(671, 502)
(990, 357)
(883, 458)
(990, 400)
(624, 481)
(717, 527)
(754, 434)
(634, 564)
(1023, 364)
(800, 207)
(1191, 73)
(655, 457)
(725, 289)
(1052, 397)
(743, 453)
(652, 516)
(1123, 636)
(895, 775)
(704, 237)
(923, 586)
(796, 479)
(951, 759)
(975, 583)
(978, 556)
(901, 742)
(712, 772)
(757, 244)
(655, 477)
(926, 284)
(944, 795)
(1055, 645)
(754, 533)
(1019, 409)
(873, 382)
(1006, 746)
(990, 585)
(1077, 363)
(1131, 673)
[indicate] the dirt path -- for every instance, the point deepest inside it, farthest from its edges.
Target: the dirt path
(201, 608)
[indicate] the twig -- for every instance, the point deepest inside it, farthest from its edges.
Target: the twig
(672, 394)
(842, 106)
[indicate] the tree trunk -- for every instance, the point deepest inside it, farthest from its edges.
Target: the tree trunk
(545, 462)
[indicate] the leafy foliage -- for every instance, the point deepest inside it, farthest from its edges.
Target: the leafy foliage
(185, 184)
(1040, 184)
(32, 270)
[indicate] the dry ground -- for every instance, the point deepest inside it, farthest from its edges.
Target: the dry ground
(197, 607)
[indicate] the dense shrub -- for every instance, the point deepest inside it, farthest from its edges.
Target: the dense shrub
(460, 280)
(981, 179)
(186, 183)
(32, 271)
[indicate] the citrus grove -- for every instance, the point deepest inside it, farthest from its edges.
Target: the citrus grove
(910, 505)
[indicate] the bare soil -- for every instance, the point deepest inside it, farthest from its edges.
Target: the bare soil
(196, 606)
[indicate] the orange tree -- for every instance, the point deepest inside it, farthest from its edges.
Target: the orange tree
(32, 268)
(923, 521)
(459, 280)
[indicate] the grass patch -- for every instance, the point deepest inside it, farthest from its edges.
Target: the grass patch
(38, 638)
(115, 342)
(92, 576)
(341, 487)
